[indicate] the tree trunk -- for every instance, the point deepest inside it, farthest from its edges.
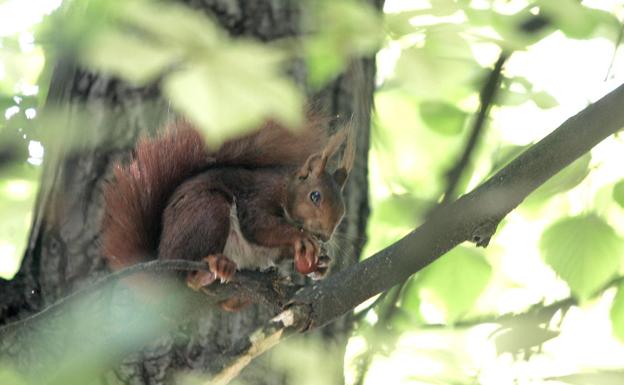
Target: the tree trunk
(64, 254)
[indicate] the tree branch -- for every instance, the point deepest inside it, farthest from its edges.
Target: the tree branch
(474, 217)
(262, 288)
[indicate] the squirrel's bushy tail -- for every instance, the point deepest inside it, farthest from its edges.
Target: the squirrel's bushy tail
(137, 196)
(135, 199)
(274, 145)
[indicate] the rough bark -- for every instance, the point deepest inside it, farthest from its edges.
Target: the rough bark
(63, 252)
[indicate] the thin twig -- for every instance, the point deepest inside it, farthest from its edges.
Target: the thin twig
(486, 99)
(615, 49)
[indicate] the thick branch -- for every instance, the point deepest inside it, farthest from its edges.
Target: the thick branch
(107, 311)
(473, 217)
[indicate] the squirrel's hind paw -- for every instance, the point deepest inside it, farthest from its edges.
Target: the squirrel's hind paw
(221, 267)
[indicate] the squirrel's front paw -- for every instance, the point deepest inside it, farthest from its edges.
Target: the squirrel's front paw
(322, 268)
(306, 253)
(221, 267)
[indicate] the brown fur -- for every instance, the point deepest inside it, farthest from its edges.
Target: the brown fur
(194, 221)
(136, 198)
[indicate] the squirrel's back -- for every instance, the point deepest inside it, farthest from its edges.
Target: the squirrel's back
(136, 197)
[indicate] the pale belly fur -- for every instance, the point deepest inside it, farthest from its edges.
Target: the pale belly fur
(245, 254)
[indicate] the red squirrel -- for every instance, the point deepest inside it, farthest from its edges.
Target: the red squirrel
(250, 202)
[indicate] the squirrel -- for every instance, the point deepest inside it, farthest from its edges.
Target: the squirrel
(251, 202)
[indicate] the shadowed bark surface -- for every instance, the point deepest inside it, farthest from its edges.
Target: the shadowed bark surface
(63, 252)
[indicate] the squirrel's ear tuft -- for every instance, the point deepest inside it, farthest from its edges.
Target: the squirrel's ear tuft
(315, 164)
(340, 176)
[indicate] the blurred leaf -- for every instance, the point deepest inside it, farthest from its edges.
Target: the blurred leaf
(398, 23)
(617, 313)
(443, 118)
(518, 90)
(443, 7)
(341, 29)
(241, 77)
(574, 19)
(447, 40)
(584, 251)
(208, 77)
(618, 193)
(437, 77)
(454, 282)
(523, 82)
(323, 61)
(564, 180)
(479, 17)
(6, 101)
(513, 31)
(521, 338)
(597, 378)
(544, 100)
(10, 377)
(137, 59)
(512, 98)
(400, 210)
(442, 69)
(18, 68)
(410, 302)
(186, 28)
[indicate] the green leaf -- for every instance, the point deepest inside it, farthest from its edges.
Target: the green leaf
(544, 100)
(6, 101)
(172, 24)
(341, 29)
(139, 60)
(234, 90)
(584, 251)
(398, 23)
(410, 301)
(618, 193)
(576, 20)
(454, 282)
(479, 17)
(443, 7)
(443, 118)
(617, 313)
(400, 210)
(10, 376)
(521, 337)
(512, 98)
(448, 41)
(511, 29)
(564, 180)
(323, 61)
(435, 76)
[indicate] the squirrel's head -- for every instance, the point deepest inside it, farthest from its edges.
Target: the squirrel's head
(314, 195)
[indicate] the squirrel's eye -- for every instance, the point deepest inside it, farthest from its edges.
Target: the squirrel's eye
(315, 197)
